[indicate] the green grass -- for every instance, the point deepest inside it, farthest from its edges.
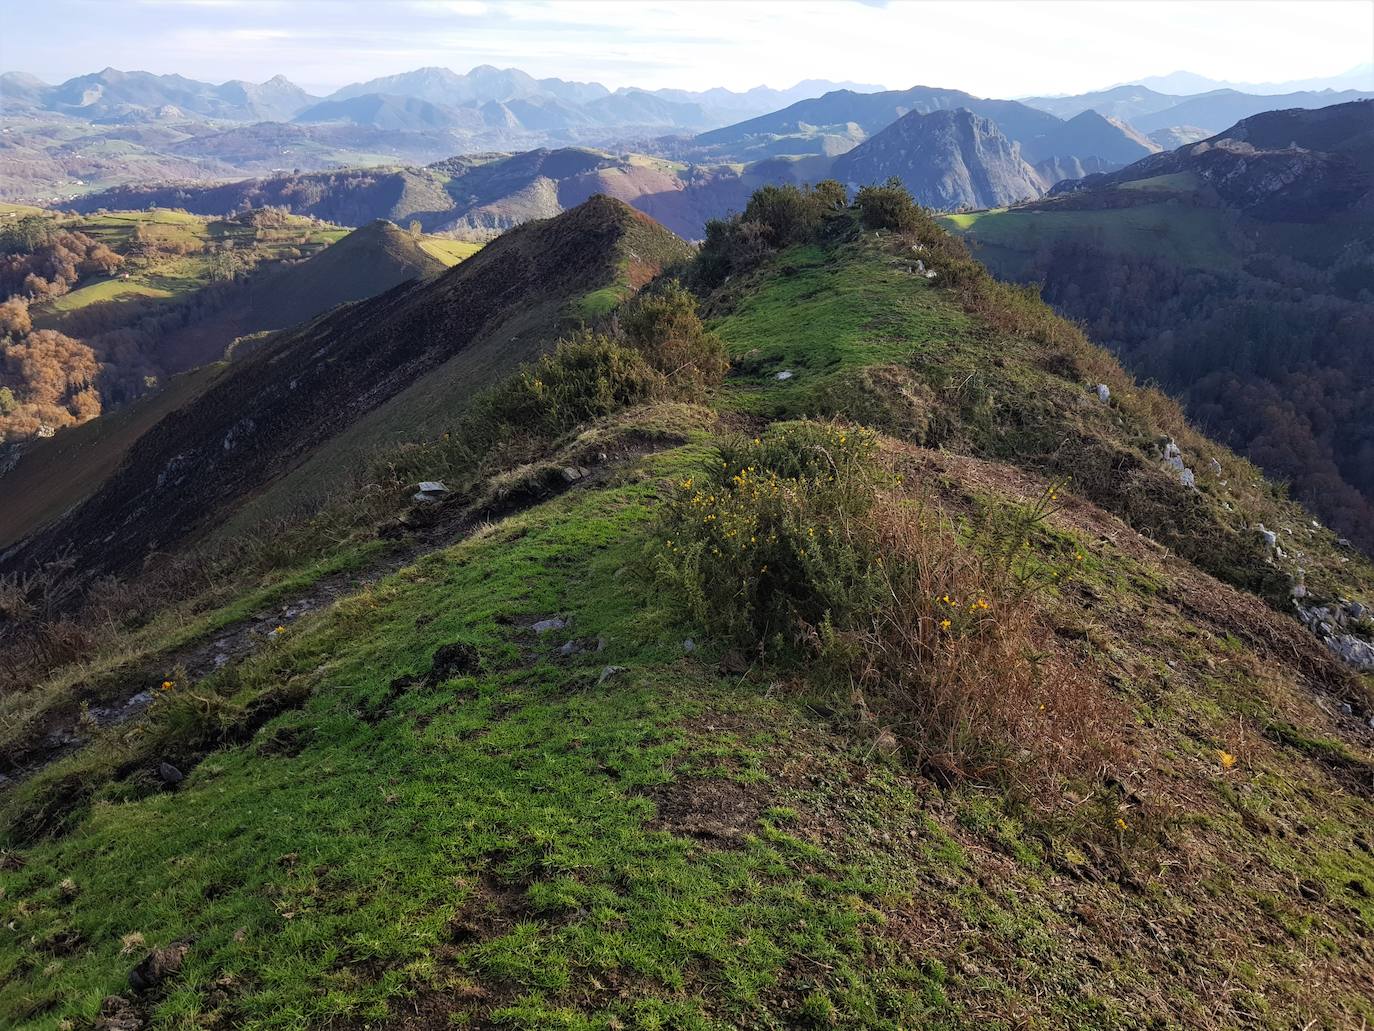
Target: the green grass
(104, 290)
(517, 798)
(818, 317)
(1190, 236)
(450, 252)
(1174, 183)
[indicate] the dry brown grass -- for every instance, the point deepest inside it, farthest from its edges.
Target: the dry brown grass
(960, 662)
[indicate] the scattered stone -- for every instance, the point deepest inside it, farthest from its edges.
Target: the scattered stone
(1216, 467)
(609, 672)
(689, 646)
(157, 966)
(1347, 709)
(569, 648)
(430, 490)
(1271, 539)
(571, 474)
(1327, 623)
(1104, 393)
(169, 774)
(1355, 610)
(786, 374)
(1343, 542)
(1173, 458)
(545, 625)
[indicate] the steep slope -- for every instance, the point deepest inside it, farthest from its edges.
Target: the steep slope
(1235, 271)
(522, 782)
(807, 126)
(1290, 165)
(279, 406)
(948, 160)
(52, 476)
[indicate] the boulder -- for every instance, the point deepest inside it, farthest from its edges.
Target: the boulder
(1104, 393)
(430, 490)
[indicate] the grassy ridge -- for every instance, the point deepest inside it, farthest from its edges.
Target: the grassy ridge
(639, 834)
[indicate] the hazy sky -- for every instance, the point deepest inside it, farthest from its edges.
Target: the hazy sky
(987, 47)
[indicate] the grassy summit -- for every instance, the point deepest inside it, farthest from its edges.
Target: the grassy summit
(986, 719)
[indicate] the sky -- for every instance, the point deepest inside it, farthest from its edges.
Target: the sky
(995, 48)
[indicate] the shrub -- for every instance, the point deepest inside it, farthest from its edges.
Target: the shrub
(664, 327)
(790, 213)
(796, 545)
(775, 217)
(587, 377)
(889, 206)
(772, 541)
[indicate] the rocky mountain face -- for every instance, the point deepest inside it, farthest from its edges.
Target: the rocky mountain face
(1293, 165)
(947, 159)
(839, 121)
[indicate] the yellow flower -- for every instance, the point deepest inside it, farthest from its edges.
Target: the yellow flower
(1078, 556)
(167, 685)
(280, 629)
(1121, 824)
(1226, 759)
(944, 624)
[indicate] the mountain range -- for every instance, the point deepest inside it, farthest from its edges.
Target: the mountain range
(448, 98)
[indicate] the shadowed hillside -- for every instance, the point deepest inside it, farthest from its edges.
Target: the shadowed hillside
(288, 398)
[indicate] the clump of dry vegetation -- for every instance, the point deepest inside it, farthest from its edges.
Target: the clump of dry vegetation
(802, 547)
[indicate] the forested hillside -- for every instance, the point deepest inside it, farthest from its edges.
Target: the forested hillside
(1239, 274)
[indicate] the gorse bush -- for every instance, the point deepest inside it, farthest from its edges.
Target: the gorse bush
(654, 348)
(775, 217)
(664, 327)
(799, 546)
(772, 541)
(889, 206)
